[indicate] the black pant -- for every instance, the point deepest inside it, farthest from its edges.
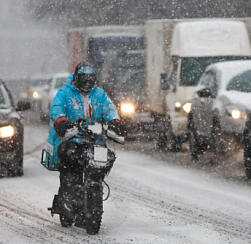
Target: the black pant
(71, 177)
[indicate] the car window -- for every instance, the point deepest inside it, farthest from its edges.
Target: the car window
(41, 82)
(193, 67)
(60, 82)
(241, 82)
(207, 78)
(5, 101)
(210, 81)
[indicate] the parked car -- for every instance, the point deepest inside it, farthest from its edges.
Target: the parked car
(219, 105)
(11, 133)
(58, 81)
(38, 88)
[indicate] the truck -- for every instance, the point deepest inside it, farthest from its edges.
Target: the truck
(177, 54)
(118, 56)
(92, 43)
(123, 79)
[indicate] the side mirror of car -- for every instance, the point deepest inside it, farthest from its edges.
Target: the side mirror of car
(164, 81)
(46, 88)
(23, 105)
(205, 92)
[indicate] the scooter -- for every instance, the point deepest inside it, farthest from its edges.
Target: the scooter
(97, 161)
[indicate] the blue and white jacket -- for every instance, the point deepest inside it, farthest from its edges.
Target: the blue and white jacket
(69, 102)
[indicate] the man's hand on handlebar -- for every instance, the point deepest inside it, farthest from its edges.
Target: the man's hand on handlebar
(116, 131)
(65, 129)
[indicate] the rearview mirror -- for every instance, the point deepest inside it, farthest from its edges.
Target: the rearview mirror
(23, 105)
(164, 81)
(205, 92)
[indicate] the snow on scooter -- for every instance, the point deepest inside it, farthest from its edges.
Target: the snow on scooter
(97, 161)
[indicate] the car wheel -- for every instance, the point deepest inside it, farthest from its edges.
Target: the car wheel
(217, 139)
(247, 156)
(16, 168)
(166, 140)
(194, 144)
(44, 118)
(20, 170)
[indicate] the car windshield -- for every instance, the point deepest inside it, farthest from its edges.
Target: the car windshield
(98, 46)
(192, 68)
(5, 101)
(241, 82)
(60, 82)
(128, 63)
(40, 82)
(134, 83)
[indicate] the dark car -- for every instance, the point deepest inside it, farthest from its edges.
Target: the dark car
(11, 133)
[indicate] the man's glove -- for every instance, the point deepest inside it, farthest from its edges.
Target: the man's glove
(65, 129)
(116, 131)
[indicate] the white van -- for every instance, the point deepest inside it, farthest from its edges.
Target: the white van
(38, 88)
(58, 81)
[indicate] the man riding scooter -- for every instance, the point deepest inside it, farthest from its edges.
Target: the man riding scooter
(79, 99)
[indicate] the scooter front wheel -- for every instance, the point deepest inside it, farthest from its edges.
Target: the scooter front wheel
(93, 216)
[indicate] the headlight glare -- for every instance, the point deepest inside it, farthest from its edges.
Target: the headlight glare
(177, 105)
(36, 94)
(236, 114)
(6, 131)
(127, 108)
(187, 107)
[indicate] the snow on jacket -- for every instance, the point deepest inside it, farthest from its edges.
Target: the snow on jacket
(95, 107)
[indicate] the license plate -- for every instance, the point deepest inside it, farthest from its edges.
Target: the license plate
(100, 154)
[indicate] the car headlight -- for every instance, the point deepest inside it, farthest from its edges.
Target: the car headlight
(235, 113)
(187, 107)
(177, 105)
(36, 94)
(6, 131)
(127, 108)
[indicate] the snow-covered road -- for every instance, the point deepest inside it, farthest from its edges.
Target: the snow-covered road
(151, 201)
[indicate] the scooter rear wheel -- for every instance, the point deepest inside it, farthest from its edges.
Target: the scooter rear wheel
(65, 222)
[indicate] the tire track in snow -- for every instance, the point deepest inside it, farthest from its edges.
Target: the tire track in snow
(42, 230)
(221, 222)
